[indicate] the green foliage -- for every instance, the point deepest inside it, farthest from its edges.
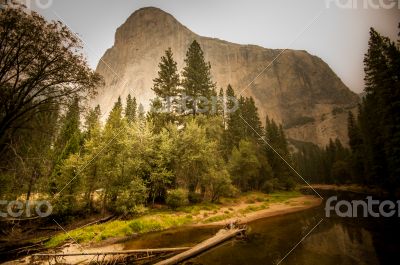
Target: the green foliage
(323, 165)
(245, 165)
(177, 198)
(68, 143)
(270, 185)
(196, 76)
(277, 156)
(218, 218)
(220, 184)
(242, 121)
(341, 172)
(165, 107)
(69, 182)
(166, 84)
(131, 197)
(130, 109)
(375, 136)
(134, 159)
(194, 157)
(42, 67)
(98, 232)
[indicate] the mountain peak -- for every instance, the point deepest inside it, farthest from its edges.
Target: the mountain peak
(299, 90)
(147, 20)
(149, 12)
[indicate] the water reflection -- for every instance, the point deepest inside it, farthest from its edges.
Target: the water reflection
(335, 241)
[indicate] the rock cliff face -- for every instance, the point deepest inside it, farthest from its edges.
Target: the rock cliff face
(297, 89)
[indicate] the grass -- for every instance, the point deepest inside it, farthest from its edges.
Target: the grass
(197, 208)
(119, 228)
(157, 220)
(218, 218)
(278, 197)
(253, 208)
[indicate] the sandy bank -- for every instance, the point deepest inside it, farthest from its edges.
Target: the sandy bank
(293, 205)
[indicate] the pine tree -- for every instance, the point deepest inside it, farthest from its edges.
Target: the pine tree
(197, 81)
(276, 139)
(70, 130)
(68, 142)
(92, 147)
(357, 148)
(130, 109)
(379, 119)
(67, 163)
(92, 121)
(249, 116)
(221, 104)
(234, 123)
(141, 112)
(166, 85)
(114, 119)
(113, 162)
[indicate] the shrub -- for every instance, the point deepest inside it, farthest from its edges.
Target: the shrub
(290, 184)
(195, 197)
(270, 185)
(177, 198)
(130, 200)
(267, 187)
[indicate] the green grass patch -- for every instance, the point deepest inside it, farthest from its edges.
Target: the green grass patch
(119, 228)
(196, 208)
(283, 196)
(157, 220)
(218, 218)
(253, 208)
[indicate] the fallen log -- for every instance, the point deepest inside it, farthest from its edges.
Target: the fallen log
(220, 237)
(100, 221)
(122, 252)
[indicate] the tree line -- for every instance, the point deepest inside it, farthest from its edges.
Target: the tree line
(168, 156)
(60, 150)
(193, 145)
(374, 130)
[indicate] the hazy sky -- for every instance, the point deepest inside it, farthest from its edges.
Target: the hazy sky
(338, 35)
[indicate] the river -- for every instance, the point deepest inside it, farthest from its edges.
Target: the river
(278, 240)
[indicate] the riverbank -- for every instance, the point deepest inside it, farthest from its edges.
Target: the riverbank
(276, 209)
(246, 208)
(355, 188)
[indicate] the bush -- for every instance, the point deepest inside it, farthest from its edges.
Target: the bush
(177, 198)
(270, 185)
(195, 197)
(130, 200)
(267, 187)
(341, 172)
(289, 184)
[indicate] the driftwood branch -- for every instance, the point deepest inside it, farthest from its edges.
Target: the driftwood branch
(220, 237)
(122, 252)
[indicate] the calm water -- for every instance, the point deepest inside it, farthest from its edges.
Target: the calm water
(334, 241)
